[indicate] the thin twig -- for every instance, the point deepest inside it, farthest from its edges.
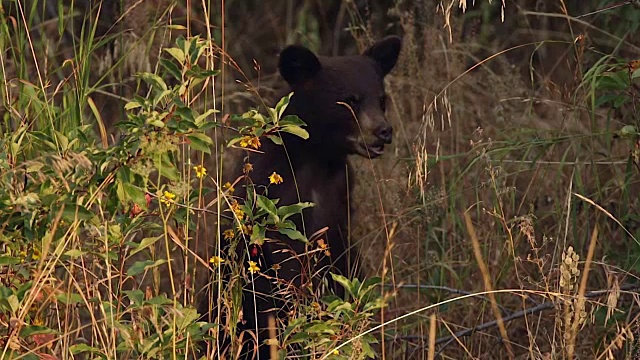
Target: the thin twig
(447, 289)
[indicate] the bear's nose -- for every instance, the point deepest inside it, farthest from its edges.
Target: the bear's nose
(384, 133)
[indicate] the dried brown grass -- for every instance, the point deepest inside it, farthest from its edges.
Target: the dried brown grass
(508, 143)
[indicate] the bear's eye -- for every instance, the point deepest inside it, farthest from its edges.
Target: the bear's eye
(352, 100)
(383, 102)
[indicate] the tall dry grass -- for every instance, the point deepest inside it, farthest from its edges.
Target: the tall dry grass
(504, 217)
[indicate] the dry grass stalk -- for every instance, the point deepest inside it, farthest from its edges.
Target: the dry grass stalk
(486, 277)
(580, 315)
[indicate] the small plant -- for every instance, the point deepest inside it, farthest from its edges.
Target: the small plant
(73, 210)
(332, 327)
(258, 213)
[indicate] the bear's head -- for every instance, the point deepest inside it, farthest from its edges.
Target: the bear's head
(342, 99)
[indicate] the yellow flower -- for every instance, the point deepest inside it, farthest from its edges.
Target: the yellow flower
(250, 141)
(254, 142)
(200, 170)
(36, 254)
(216, 260)
(235, 207)
(167, 198)
(244, 142)
(228, 234)
(247, 168)
(253, 267)
(275, 178)
(322, 244)
(228, 187)
(276, 267)
(245, 229)
(335, 352)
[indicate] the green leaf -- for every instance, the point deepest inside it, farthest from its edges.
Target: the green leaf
(159, 300)
(292, 120)
(155, 122)
(367, 350)
(346, 284)
(154, 80)
(171, 68)
(145, 243)
(320, 328)
(293, 234)
(368, 285)
(187, 317)
(296, 130)
(63, 141)
(199, 145)
(266, 204)
(282, 105)
(234, 141)
(199, 73)
(629, 131)
(202, 138)
(30, 330)
(13, 302)
(180, 42)
(276, 139)
(258, 234)
(80, 348)
(132, 105)
(300, 337)
(373, 305)
(614, 81)
(195, 50)
(606, 98)
(344, 308)
(141, 266)
(135, 296)
(69, 299)
(201, 118)
(186, 113)
(74, 254)
(293, 324)
(177, 54)
(135, 194)
(9, 260)
(285, 211)
(166, 168)
(79, 212)
(161, 96)
(207, 125)
(177, 27)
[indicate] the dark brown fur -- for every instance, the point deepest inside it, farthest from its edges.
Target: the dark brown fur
(328, 92)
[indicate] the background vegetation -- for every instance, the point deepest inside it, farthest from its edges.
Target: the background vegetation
(503, 221)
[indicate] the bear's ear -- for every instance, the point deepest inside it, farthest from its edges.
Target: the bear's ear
(298, 64)
(385, 52)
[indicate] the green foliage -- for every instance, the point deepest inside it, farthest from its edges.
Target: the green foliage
(74, 212)
(334, 327)
(66, 200)
(252, 125)
(258, 214)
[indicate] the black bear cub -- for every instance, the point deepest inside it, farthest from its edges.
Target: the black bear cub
(342, 100)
